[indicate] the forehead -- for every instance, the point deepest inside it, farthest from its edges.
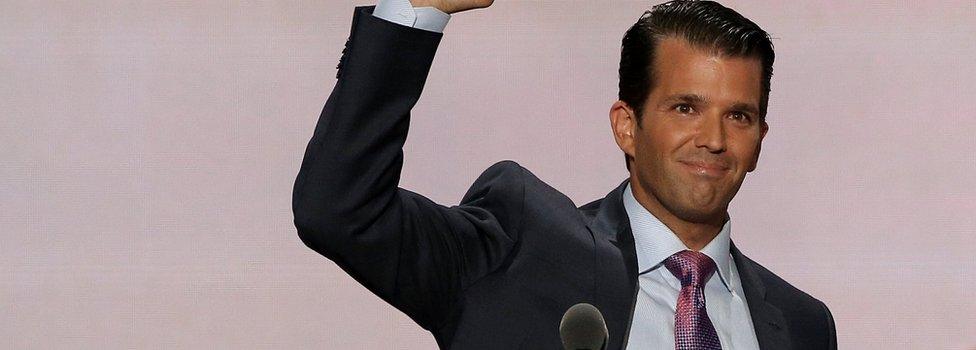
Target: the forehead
(680, 67)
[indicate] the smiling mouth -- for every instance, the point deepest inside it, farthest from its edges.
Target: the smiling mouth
(708, 170)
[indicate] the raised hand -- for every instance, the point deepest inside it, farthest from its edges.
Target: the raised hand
(452, 6)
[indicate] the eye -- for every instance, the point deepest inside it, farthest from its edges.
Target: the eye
(684, 108)
(740, 116)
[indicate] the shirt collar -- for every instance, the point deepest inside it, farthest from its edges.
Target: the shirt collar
(655, 242)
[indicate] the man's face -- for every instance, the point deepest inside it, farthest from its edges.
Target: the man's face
(700, 132)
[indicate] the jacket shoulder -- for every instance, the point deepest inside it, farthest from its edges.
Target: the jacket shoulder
(504, 179)
(510, 191)
(498, 194)
(779, 288)
(513, 179)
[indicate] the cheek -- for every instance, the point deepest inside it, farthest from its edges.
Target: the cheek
(745, 155)
(654, 164)
(648, 154)
(661, 138)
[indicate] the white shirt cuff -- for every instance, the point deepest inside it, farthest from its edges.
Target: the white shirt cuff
(403, 13)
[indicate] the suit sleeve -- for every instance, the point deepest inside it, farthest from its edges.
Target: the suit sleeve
(413, 253)
(831, 329)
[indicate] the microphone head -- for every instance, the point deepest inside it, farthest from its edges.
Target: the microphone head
(583, 328)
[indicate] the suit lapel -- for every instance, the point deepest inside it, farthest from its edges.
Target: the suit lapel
(767, 319)
(615, 284)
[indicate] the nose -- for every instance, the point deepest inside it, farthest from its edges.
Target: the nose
(711, 134)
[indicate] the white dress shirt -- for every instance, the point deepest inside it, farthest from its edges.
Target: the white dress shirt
(657, 298)
(403, 13)
(653, 323)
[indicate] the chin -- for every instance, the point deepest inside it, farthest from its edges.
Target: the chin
(700, 213)
(698, 217)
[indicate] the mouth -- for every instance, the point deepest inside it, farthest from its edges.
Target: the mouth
(705, 169)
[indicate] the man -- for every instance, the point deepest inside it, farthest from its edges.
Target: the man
(499, 270)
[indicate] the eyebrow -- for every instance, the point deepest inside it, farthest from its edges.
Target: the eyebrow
(686, 98)
(746, 107)
(701, 100)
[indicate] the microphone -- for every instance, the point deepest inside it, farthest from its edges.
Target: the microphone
(583, 328)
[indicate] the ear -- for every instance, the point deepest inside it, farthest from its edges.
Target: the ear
(623, 123)
(762, 135)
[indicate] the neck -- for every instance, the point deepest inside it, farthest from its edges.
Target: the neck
(695, 234)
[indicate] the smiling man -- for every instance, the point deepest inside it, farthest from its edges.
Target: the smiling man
(498, 270)
(698, 135)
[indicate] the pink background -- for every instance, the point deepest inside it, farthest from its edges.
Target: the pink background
(148, 151)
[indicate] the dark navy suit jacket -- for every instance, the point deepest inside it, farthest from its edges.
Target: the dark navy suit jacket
(498, 270)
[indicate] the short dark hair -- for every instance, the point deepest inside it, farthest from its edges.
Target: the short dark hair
(704, 24)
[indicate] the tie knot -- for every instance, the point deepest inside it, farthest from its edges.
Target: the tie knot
(690, 267)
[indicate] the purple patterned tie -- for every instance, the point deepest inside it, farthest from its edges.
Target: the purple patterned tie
(692, 328)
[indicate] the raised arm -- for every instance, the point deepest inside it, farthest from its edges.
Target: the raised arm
(415, 254)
